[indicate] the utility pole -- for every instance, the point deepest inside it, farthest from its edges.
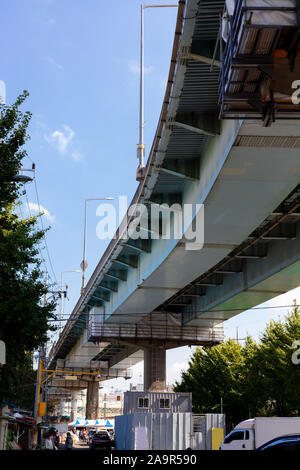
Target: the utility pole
(64, 292)
(45, 355)
(61, 292)
(104, 406)
(237, 336)
(41, 357)
(37, 387)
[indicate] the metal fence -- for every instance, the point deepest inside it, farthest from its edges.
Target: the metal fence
(190, 334)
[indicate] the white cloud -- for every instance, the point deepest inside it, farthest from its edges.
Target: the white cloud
(76, 156)
(52, 61)
(134, 67)
(174, 372)
(2, 92)
(35, 208)
(178, 367)
(62, 138)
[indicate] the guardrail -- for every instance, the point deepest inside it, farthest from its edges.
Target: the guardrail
(100, 331)
(112, 247)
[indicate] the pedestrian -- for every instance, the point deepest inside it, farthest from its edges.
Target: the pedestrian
(57, 440)
(80, 435)
(49, 443)
(69, 442)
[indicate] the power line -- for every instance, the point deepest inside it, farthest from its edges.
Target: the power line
(38, 247)
(45, 239)
(136, 315)
(42, 224)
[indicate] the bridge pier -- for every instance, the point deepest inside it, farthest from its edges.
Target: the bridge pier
(92, 400)
(62, 406)
(73, 405)
(155, 369)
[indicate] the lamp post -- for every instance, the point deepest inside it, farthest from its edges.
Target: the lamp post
(140, 173)
(61, 294)
(83, 264)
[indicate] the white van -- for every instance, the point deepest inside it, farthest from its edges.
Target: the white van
(252, 433)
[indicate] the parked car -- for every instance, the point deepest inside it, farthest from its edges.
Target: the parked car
(290, 442)
(101, 440)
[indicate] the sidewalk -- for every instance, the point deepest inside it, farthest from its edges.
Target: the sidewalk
(76, 446)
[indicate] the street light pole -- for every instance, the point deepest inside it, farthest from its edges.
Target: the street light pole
(84, 262)
(141, 146)
(140, 172)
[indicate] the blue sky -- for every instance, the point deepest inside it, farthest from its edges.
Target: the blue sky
(79, 61)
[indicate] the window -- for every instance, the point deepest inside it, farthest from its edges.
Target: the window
(164, 403)
(246, 435)
(143, 402)
(234, 436)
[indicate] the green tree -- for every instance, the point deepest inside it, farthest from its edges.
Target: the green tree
(215, 374)
(258, 379)
(24, 319)
(281, 377)
(252, 380)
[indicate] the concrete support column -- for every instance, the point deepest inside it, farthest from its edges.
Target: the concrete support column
(155, 369)
(62, 407)
(92, 400)
(73, 405)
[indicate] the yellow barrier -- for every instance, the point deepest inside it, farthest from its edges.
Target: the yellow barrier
(217, 436)
(42, 408)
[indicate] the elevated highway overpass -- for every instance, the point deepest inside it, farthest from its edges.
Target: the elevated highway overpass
(149, 295)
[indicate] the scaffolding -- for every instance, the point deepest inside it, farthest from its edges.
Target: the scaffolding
(156, 327)
(260, 61)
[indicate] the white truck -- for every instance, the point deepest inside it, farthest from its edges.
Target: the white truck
(252, 433)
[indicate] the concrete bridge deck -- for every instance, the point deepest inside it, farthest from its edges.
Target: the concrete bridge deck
(247, 178)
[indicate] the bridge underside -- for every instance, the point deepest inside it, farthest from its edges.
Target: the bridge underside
(266, 265)
(246, 176)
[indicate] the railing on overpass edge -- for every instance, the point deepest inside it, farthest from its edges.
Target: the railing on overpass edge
(114, 242)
